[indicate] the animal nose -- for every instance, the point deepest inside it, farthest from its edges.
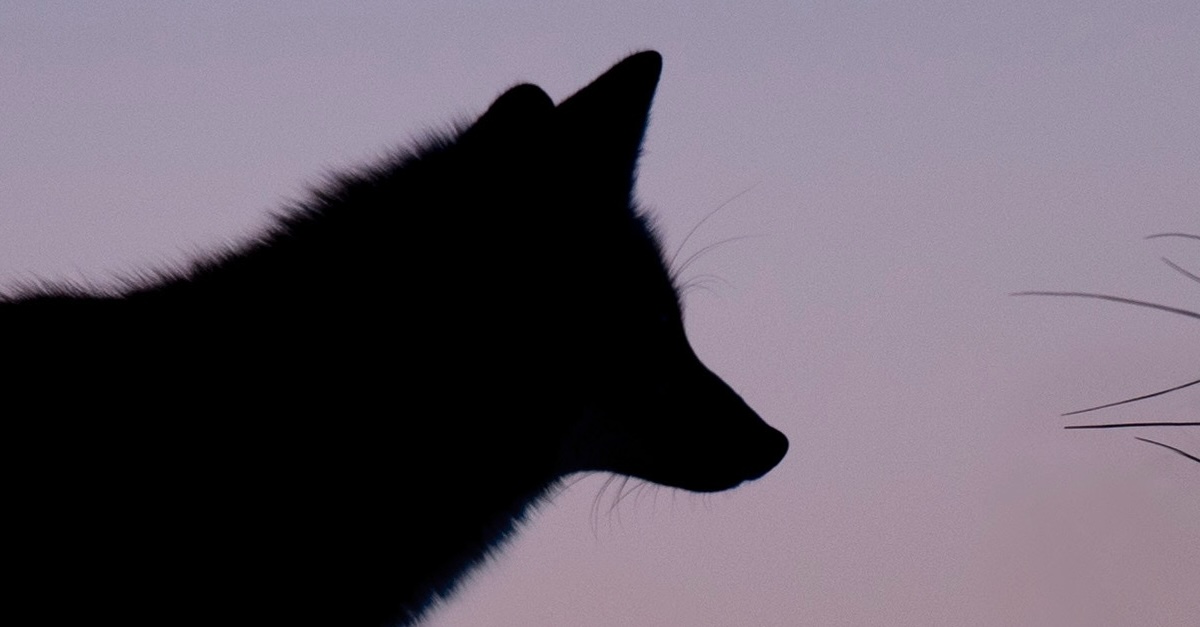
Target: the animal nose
(773, 449)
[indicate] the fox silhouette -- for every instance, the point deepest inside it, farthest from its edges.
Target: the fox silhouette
(332, 422)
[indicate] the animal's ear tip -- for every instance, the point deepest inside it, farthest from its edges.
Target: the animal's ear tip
(650, 60)
(525, 96)
(517, 108)
(641, 66)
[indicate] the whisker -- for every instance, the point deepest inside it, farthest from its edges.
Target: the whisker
(620, 495)
(696, 255)
(1149, 305)
(1187, 235)
(1132, 400)
(702, 282)
(1123, 425)
(640, 489)
(674, 255)
(1181, 270)
(576, 479)
(707, 278)
(1115, 299)
(595, 513)
(1171, 448)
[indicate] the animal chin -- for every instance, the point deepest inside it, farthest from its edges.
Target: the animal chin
(720, 474)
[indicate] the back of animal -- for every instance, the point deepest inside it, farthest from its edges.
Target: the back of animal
(331, 422)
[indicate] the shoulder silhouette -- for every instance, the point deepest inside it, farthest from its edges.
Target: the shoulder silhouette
(332, 423)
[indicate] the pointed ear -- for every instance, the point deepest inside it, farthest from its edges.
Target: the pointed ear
(522, 100)
(600, 128)
(513, 114)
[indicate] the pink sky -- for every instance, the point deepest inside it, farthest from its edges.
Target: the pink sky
(908, 165)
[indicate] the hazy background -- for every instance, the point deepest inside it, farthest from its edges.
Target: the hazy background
(903, 166)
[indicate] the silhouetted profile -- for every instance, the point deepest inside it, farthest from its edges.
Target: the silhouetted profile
(330, 424)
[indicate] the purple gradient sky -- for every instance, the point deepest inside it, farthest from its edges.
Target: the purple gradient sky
(907, 166)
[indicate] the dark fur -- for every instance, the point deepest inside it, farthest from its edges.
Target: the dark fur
(330, 425)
